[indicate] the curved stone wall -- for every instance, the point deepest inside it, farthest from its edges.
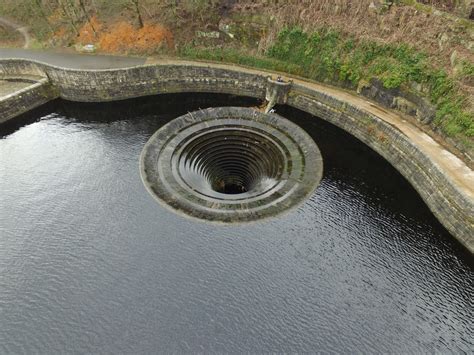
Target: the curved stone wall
(37, 92)
(444, 182)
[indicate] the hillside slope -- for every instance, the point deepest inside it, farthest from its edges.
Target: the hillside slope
(416, 57)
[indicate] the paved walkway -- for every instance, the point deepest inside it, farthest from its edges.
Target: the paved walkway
(72, 60)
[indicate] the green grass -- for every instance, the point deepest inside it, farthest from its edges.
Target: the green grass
(232, 55)
(329, 56)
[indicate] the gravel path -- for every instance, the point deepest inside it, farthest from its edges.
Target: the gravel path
(22, 29)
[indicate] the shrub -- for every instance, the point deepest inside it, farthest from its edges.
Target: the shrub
(123, 37)
(327, 55)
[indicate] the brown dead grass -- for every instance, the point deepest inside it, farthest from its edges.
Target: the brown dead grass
(422, 30)
(445, 5)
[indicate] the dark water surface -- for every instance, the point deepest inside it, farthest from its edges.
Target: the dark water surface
(90, 263)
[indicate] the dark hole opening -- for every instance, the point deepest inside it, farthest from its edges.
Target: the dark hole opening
(229, 187)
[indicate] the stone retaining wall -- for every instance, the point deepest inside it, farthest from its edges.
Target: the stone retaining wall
(26, 99)
(448, 194)
(118, 84)
(454, 207)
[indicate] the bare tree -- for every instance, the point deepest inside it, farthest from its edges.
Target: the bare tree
(68, 13)
(39, 5)
(86, 14)
(137, 10)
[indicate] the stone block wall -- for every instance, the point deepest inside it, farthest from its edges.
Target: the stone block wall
(452, 205)
(118, 84)
(26, 99)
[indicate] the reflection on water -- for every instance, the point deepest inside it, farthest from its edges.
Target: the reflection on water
(89, 262)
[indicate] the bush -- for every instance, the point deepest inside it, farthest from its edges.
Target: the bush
(327, 55)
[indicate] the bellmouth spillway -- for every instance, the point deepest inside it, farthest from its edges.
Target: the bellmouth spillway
(231, 164)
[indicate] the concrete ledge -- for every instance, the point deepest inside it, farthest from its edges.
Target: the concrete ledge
(444, 181)
(21, 101)
(278, 169)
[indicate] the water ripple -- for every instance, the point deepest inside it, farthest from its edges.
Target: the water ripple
(89, 263)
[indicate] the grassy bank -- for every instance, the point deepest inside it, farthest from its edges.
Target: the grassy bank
(405, 45)
(329, 56)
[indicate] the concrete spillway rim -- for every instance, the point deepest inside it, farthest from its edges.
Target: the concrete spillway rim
(300, 173)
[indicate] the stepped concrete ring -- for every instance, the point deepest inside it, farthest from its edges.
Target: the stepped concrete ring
(230, 164)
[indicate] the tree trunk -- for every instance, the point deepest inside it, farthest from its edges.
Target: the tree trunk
(64, 7)
(139, 15)
(84, 10)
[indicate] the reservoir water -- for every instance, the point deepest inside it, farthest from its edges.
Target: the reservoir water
(90, 263)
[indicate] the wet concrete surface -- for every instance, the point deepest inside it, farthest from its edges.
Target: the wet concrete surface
(11, 84)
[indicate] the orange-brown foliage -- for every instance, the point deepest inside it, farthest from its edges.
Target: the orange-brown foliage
(119, 37)
(60, 32)
(87, 34)
(124, 37)
(153, 35)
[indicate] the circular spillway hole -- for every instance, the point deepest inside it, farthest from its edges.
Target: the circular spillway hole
(231, 164)
(230, 186)
(230, 160)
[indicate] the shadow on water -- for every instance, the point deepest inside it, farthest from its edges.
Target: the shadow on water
(27, 118)
(348, 159)
(166, 106)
